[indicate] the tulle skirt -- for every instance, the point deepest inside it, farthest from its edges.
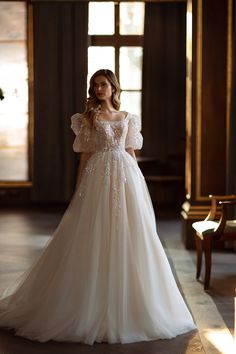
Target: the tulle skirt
(103, 276)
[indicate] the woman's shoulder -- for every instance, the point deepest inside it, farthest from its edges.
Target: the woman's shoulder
(134, 118)
(79, 122)
(134, 121)
(79, 118)
(130, 115)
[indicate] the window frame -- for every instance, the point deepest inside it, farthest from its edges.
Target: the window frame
(117, 41)
(7, 187)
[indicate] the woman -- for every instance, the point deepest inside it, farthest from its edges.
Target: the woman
(104, 275)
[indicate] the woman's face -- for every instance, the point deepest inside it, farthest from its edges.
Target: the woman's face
(102, 88)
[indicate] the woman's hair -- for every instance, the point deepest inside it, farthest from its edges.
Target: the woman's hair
(93, 102)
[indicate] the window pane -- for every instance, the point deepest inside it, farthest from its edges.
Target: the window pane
(131, 102)
(131, 68)
(131, 18)
(12, 20)
(101, 17)
(100, 58)
(14, 83)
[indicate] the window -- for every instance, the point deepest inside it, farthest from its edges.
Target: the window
(14, 83)
(116, 38)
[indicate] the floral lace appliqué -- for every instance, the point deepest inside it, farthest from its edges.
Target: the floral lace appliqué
(108, 141)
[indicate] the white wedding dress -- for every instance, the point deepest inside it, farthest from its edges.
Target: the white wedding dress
(104, 275)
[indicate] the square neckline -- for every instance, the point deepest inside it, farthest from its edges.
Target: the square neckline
(114, 121)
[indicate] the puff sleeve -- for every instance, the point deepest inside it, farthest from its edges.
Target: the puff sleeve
(134, 138)
(84, 140)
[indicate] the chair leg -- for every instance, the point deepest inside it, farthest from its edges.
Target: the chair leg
(199, 255)
(207, 246)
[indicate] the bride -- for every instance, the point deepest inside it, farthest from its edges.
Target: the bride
(103, 276)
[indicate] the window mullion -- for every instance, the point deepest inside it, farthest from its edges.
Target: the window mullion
(116, 41)
(111, 40)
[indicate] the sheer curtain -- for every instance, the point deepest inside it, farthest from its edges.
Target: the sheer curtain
(60, 74)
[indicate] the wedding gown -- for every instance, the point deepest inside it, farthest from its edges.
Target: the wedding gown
(104, 275)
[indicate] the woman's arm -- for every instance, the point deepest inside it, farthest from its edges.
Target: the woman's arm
(131, 152)
(84, 156)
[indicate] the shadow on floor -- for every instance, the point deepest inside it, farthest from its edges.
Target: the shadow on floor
(186, 343)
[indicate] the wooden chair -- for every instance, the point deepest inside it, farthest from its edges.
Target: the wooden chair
(212, 230)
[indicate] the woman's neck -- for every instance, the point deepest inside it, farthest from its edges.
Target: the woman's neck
(107, 107)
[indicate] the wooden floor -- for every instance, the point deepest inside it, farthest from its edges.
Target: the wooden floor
(24, 233)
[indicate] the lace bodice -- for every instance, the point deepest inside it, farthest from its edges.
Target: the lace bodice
(106, 135)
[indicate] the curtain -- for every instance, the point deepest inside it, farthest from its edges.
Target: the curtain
(164, 75)
(60, 75)
(231, 161)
